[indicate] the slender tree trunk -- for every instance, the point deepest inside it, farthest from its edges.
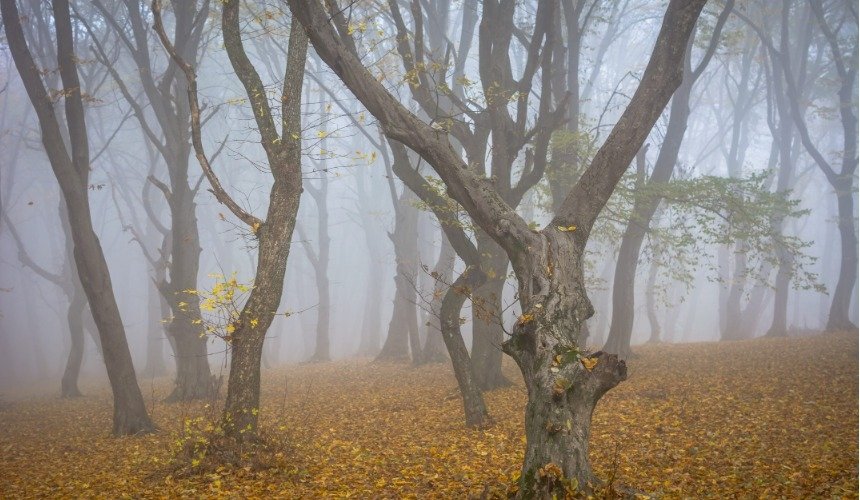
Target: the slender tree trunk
(239, 418)
(487, 331)
(724, 274)
(193, 377)
(371, 322)
(155, 366)
(322, 351)
(77, 307)
(473, 401)
(623, 300)
(72, 172)
(838, 318)
(734, 327)
(651, 303)
(443, 272)
(405, 239)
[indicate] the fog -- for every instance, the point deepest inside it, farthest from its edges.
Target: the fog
(723, 227)
(359, 205)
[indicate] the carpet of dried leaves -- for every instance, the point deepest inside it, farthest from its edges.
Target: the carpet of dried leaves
(765, 418)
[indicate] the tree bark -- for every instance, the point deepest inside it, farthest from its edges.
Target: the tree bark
(404, 317)
(487, 330)
(443, 272)
(71, 169)
(320, 261)
(77, 307)
(651, 303)
(838, 318)
(473, 401)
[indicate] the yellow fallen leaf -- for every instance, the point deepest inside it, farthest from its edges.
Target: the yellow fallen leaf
(589, 363)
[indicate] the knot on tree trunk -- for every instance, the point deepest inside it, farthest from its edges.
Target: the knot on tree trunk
(608, 372)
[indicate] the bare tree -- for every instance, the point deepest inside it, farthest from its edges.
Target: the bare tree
(564, 383)
(621, 325)
(71, 166)
(166, 128)
(274, 233)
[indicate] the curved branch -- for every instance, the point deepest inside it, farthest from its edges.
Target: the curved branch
(217, 189)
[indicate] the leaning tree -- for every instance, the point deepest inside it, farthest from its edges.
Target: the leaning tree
(564, 383)
(71, 166)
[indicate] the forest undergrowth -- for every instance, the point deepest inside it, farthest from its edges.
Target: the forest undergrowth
(763, 418)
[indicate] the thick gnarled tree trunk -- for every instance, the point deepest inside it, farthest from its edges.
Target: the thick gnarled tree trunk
(563, 385)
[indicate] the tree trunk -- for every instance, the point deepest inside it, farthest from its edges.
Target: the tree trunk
(443, 272)
(405, 239)
(77, 307)
(371, 322)
(72, 172)
(322, 351)
(779, 325)
(651, 304)
(623, 306)
(239, 418)
(733, 326)
(155, 366)
(193, 377)
(487, 331)
(562, 391)
(838, 318)
(473, 401)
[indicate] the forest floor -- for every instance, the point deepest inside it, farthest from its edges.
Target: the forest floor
(764, 418)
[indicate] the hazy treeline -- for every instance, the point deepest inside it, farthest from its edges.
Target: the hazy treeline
(219, 140)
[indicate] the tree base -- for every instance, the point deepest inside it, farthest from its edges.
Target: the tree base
(133, 425)
(205, 452)
(392, 358)
(203, 390)
(841, 326)
(72, 393)
(497, 382)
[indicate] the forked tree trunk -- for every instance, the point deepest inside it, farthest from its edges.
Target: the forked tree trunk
(562, 392)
